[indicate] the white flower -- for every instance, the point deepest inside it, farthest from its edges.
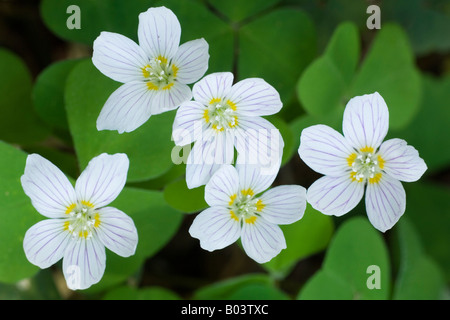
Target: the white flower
(238, 209)
(155, 73)
(224, 116)
(360, 160)
(80, 226)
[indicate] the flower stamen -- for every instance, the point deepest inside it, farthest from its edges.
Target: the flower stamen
(83, 220)
(366, 165)
(245, 207)
(221, 115)
(159, 74)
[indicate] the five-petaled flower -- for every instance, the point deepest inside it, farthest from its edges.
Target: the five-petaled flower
(239, 210)
(155, 73)
(224, 116)
(80, 224)
(360, 160)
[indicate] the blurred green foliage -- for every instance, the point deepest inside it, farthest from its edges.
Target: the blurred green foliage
(354, 248)
(318, 54)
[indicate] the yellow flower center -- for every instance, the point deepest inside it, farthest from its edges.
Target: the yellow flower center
(245, 207)
(221, 114)
(160, 74)
(82, 219)
(366, 165)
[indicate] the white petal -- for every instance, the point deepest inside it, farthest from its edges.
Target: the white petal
(213, 86)
(50, 191)
(191, 60)
(335, 195)
(366, 121)
(103, 179)
(222, 186)
(284, 204)
(45, 242)
(254, 177)
(255, 97)
(189, 124)
(385, 202)
(119, 57)
(171, 98)
(117, 231)
(159, 32)
(208, 154)
(199, 174)
(127, 108)
(262, 240)
(84, 263)
(324, 150)
(401, 161)
(258, 142)
(215, 228)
